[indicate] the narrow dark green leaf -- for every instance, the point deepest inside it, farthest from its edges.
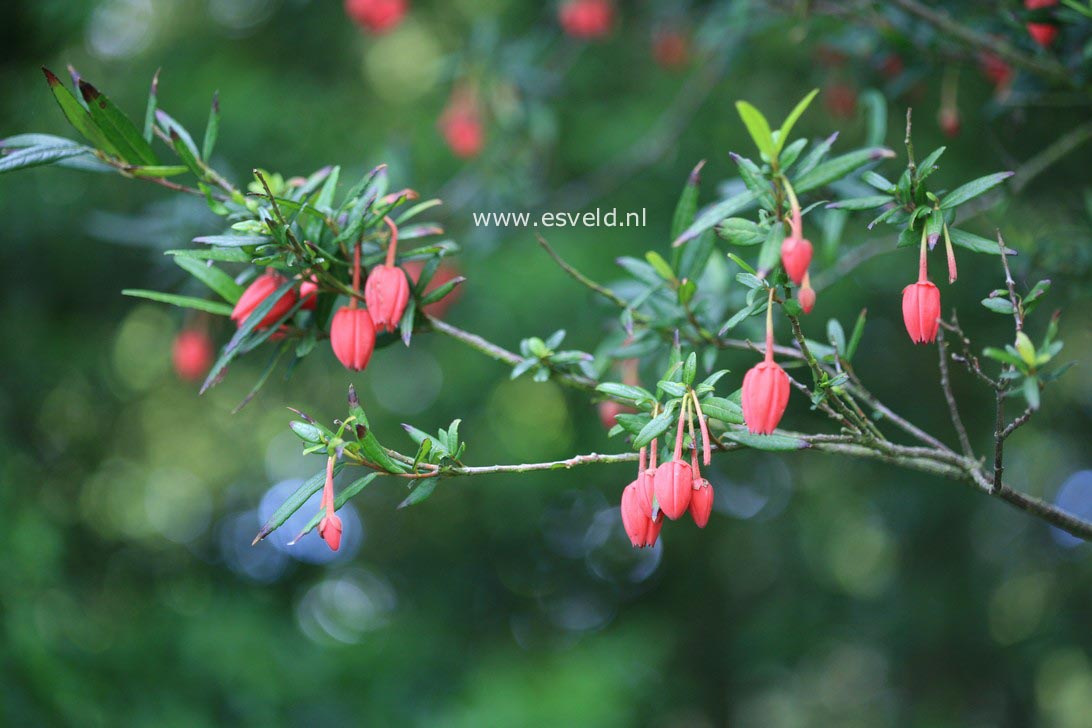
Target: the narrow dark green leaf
(212, 129)
(839, 167)
(39, 156)
(421, 493)
(973, 189)
(220, 282)
(116, 126)
(149, 110)
(790, 121)
(714, 214)
(339, 500)
(201, 304)
(657, 426)
(725, 410)
(770, 443)
(233, 241)
(977, 243)
(78, 116)
(625, 391)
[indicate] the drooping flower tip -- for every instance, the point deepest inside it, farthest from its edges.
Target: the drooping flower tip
(191, 354)
(352, 337)
(377, 16)
(807, 298)
(586, 19)
(263, 287)
(765, 396)
(1042, 33)
(386, 294)
(921, 311)
(330, 531)
(701, 502)
(796, 257)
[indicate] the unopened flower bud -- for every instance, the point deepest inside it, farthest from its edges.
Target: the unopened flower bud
(1042, 33)
(376, 16)
(807, 296)
(191, 354)
(386, 294)
(796, 256)
(263, 287)
(921, 311)
(634, 519)
(352, 337)
(765, 396)
(586, 19)
(309, 294)
(701, 502)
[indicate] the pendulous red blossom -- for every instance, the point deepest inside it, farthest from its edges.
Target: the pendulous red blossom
(330, 526)
(765, 388)
(263, 287)
(377, 16)
(191, 354)
(352, 333)
(586, 19)
(701, 500)
(921, 303)
(1042, 33)
(996, 70)
(674, 482)
(640, 526)
(387, 291)
(796, 250)
(949, 121)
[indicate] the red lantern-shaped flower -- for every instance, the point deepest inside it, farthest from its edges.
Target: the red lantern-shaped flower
(376, 16)
(309, 294)
(387, 291)
(796, 249)
(352, 337)
(634, 519)
(921, 303)
(330, 526)
(674, 481)
(461, 125)
(586, 19)
(765, 388)
(701, 502)
(263, 287)
(921, 311)
(807, 295)
(191, 354)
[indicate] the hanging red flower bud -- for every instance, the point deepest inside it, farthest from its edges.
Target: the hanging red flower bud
(330, 526)
(795, 249)
(646, 481)
(701, 502)
(673, 482)
(765, 387)
(387, 291)
(352, 333)
(586, 19)
(807, 295)
(309, 294)
(1042, 33)
(840, 100)
(376, 16)
(921, 304)
(352, 337)
(263, 287)
(949, 122)
(996, 70)
(191, 354)
(634, 519)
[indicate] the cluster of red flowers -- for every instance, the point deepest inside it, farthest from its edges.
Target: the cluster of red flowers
(353, 329)
(671, 489)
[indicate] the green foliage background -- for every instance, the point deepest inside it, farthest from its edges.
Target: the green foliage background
(830, 591)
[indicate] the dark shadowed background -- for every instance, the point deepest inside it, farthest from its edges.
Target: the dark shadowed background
(824, 591)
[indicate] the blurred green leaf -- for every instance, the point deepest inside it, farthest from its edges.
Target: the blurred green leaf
(201, 304)
(116, 126)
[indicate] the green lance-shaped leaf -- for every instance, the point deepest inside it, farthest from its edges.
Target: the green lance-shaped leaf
(686, 208)
(758, 128)
(976, 243)
(419, 494)
(725, 410)
(790, 121)
(839, 167)
(217, 280)
(116, 126)
(625, 391)
(770, 443)
(369, 445)
(200, 304)
(657, 426)
(295, 501)
(149, 110)
(78, 116)
(212, 129)
(973, 189)
(716, 213)
(39, 156)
